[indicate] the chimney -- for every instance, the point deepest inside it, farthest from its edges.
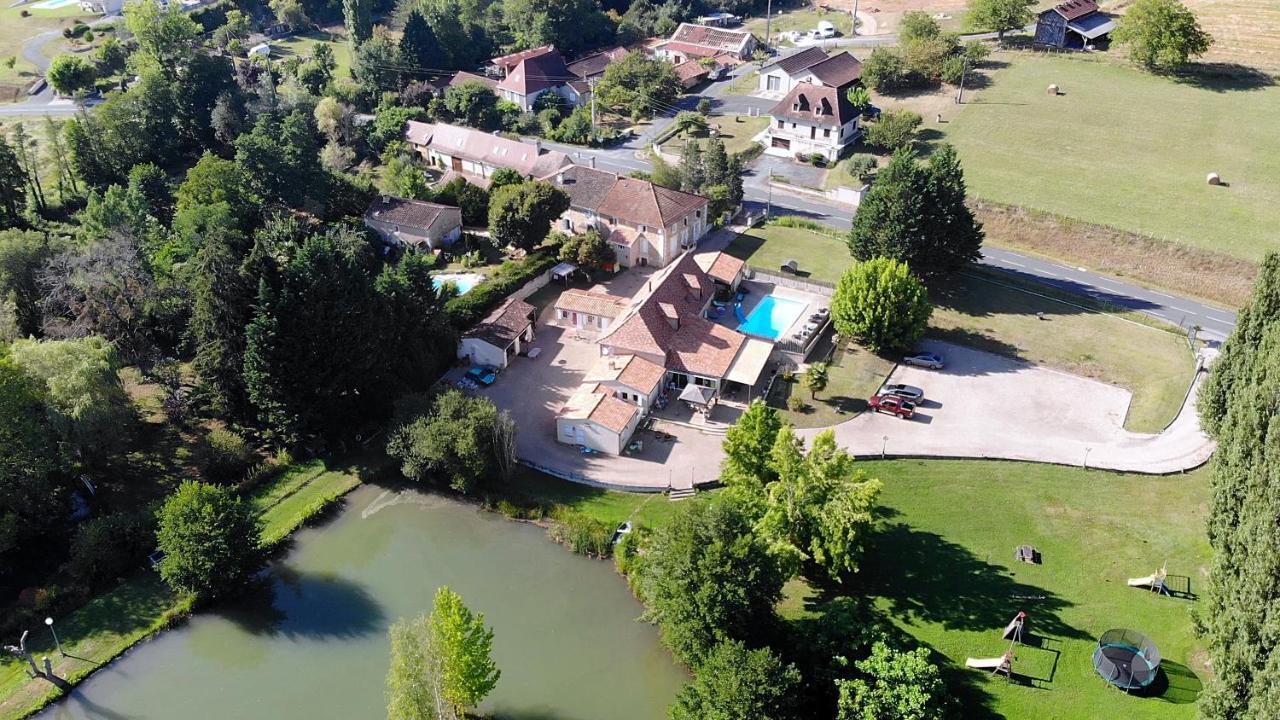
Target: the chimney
(672, 315)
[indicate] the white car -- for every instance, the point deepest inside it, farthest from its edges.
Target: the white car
(823, 31)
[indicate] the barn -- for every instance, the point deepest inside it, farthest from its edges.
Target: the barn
(1073, 25)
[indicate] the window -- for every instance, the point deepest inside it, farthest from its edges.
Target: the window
(813, 132)
(773, 82)
(781, 124)
(826, 132)
(698, 214)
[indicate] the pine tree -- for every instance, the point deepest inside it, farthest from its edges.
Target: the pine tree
(715, 162)
(219, 313)
(956, 237)
(419, 46)
(1239, 405)
(692, 174)
(13, 195)
(358, 15)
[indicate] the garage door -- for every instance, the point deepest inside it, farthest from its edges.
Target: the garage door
(782, 143)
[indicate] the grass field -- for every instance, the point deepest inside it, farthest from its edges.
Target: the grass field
(735, 130)
(142, 605)
(800, 21)
(1126, 149)
(303, 44)
(744, 84)
(998, 314)
(529, 488)
(942, 569)
(15, 29)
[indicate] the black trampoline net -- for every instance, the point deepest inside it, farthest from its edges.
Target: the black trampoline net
(1127, 659)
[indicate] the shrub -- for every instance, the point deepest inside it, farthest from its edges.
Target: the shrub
(583, 535)
(895, 129)
(882, 304)
(953, 69)
(226, 456)
(886, 71)
(804, 223)
(211, 540)
(467, 309)
(977, 52)
(796, 404)
(860, 166)
(108, 547)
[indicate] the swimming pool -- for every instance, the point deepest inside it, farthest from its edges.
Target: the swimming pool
(463, 281)
(772, 317)
(53, 4)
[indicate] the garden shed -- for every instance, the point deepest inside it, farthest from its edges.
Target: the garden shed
(1073, 25)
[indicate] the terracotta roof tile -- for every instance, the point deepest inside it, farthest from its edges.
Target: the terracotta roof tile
(483, 147)
(718, 38)
(411, 213)
(504, 324)
(462, 76)
(632, 371)
(591, 303)
(631, 200)
(726, 268)
(509, 61)
(536, 73)
(593, 65)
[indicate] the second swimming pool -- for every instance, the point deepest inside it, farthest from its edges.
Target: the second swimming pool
(771, 317)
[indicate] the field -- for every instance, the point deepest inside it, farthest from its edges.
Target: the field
(942, 569)
(15, 30)
(997, 313)
(744, 84)
(735, 130)
(302, 45)
(800, 21)
(1126, 149)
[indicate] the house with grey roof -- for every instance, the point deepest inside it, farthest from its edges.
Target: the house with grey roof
(813, 119)
(500, 336)
(477, 155)
(811, 65)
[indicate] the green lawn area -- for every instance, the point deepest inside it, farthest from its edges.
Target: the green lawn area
(801, 21)
(1126, 149)
(744, 84)
(942, 569)
(142, 605)
(991, 312)
(839, 176)
(853, 376)
(998, 314)
(15, 29)
(735, 130)
(302, 45)
(529, 488)
(821, 257)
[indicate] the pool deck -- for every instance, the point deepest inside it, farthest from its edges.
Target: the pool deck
(758, 291)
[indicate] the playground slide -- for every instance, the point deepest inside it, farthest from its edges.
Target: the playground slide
(737, 311)
(1142, 582)
(1013, 625)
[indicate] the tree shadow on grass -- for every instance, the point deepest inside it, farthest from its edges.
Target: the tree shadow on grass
(1176, 684)
(926, 578)
(299, 604)
(1224, 77)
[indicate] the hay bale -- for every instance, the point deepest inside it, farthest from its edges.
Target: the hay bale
(1214, 179)
(1053, 90)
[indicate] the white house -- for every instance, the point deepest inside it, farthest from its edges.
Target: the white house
(595, 419)
(813, 119)
(536, 72)
(503, 334)
(629, 378)
(810, 65)
(589, 309)
(414, 223)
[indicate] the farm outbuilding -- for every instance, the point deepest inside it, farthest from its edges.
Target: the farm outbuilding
(1073, 25)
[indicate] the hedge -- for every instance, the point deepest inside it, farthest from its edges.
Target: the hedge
(467, 310)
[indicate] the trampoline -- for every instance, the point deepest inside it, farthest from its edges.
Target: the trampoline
(1127, 659)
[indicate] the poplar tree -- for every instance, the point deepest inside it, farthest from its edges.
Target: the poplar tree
(358, 15)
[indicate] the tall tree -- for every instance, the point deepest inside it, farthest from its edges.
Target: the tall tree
(747, 445)
(521, 215)
(71, 74)
(419, 46)
(707, 577)
(881, 304)
(1238, 405)
(916, 214)
(25, 149)
(222, 295)
(1162, 35)
(735, 683)
(23, 255)
(210, 539)
(454, 442)
(280, 157)
(1000, 15)
(898, 685)
(32, 500)
(358, 15)
(13, 194)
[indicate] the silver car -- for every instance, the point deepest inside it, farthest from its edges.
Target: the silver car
(933, 361)
(906, 392)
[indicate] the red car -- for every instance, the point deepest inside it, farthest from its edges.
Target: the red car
(893, 405)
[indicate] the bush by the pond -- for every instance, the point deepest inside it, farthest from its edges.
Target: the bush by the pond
(583, 535)
(226, 456)
(108, 547)
(210, 539)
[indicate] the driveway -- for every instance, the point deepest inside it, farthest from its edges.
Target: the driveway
(986, 406)
(533, 391)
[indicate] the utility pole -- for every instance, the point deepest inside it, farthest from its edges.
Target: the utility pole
(964, 70)
(855, 17)
(592, 84)
(768, 22)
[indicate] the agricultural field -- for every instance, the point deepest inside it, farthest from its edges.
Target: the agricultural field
(1126, 149)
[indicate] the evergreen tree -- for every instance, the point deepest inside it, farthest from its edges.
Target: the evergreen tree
(1243, 602)
(219, 313)
(692, 174)
(715, 163)
(418, 45)
(358, 15)
(916, 214)
(13, 194)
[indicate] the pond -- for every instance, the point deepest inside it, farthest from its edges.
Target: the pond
(315, 646)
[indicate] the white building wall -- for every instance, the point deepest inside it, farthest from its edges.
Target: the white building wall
(480, 352)
(584, 432)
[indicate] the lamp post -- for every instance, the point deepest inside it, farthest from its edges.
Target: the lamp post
(1086, 457)
(883, 446)
(49, 621)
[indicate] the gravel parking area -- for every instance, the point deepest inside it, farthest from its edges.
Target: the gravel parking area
(987, 406)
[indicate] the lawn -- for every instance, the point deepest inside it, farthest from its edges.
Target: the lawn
(530, 488)
(303, 44)
(744, 84)
(15, 29)
(997, 313)
(854, 375)
(942, 569)
(1126, 149)
(801, 21)
(820, 256)
(735, 130)
(143, 605)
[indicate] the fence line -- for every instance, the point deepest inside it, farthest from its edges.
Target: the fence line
(817, 287)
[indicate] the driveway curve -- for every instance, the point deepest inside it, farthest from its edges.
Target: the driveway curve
(987, 406)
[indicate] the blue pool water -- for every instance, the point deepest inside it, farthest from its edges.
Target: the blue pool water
(464, 281)
(771, 317)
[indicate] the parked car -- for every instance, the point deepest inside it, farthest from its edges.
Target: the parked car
(907, 392)
(824, 30)
(483, 375)
(933, 361)
(893, 405)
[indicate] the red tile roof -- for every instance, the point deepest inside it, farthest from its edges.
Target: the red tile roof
(719, 38)
(411, 213)
(462, 76)
(594, 64)
(690, 70)
(502, 326)
(591, 303)
(726, 268)
(1073, 9)
(489, 149)
(631, 200)
(690, 49)
(530, 75)
(632, 371)
(507, 62)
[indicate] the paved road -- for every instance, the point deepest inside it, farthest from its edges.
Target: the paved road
(46, 102)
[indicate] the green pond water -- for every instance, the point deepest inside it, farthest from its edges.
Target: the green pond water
(314, 645)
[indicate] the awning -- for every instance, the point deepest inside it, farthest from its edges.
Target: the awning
(1093, 25)
(563, 270)
(697, 394)
(752, 357)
